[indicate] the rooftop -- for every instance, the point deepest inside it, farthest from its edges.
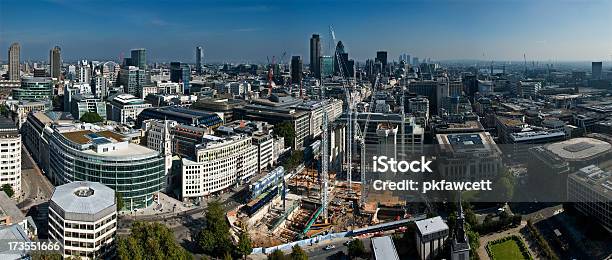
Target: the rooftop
(384, 248)
(596, 178)
(83, 197)
(431, 225)
(578, 149)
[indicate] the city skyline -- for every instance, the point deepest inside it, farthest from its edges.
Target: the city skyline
(250, 31)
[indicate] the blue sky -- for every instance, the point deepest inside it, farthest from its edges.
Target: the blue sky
(248, 31)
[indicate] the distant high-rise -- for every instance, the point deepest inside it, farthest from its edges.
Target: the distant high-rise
(199, 55)
(13, 57)
(296, 69)
(55, 62)
(415, 61)
(180, 72)
(596, 70)
(381, 56)
(138, 58)
(327, 66)
(315, 55)
(339, 57)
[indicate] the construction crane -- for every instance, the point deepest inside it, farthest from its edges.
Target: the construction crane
(324, 168)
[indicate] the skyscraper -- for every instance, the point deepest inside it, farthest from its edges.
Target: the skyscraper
(138, 58)
(296, 69)
(55, 62)
(339, 54)
(180, 72)
(596, 70)
(327, 66)
(13, 56)
(381, 56)
(199, 54)
(315, 55)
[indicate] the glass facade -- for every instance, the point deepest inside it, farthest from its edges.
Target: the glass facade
(327, 66)
(33, 88)
(136, 177)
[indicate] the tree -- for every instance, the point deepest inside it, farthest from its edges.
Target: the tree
(294, 160)
(285, 129)
(91, 117)
(244, 247)
(45, 255)
(150, 241)
(8, 189)
(276, 255)
(504, 185)
(214, 239)
(119, 200)
(356, 248)
(297, 253)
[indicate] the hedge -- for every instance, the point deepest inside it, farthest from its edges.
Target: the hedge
(516, 239)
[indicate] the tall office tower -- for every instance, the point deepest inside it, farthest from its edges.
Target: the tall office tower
(381, 56)
(138, 58)
(415, 61)
(327, 66)
(199, 55)
(55, 62)
(338, 57)
(296, 69)
(315, 55)
(13, 56)
(407, 60)
(180, 73)
(83, 72)
(596, 70)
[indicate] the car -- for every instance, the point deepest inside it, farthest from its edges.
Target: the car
(330, 247)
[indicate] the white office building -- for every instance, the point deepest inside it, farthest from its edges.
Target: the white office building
(125, 108)
(10, 155)
(220, 163)
(83, 219)
(430, 237)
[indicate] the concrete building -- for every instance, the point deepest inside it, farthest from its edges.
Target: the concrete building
(529, 88)
(84, 103)
(10, 154)
(83, 219)
(132, 79)
(55, 62)
(315, 55)
(159, 138)
(430, 237)
(125, 108)
(468, 156)
(596, 68)
(220, 163)
(85, 152)
(591, 190)
(181, 115)
(14, 66)
(21, 109)
(262, 134)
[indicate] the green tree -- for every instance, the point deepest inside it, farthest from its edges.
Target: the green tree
(244, 247)
(214, 239)
(45, 255)
(277, 255)
(297, 253)
(91, 117)
(504, 185)
(150, 241)
(120, 201)
(8, 189)
(285, 129)
(356, 248)
(294, 160)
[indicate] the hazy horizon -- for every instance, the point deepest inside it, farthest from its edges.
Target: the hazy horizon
(249, 31)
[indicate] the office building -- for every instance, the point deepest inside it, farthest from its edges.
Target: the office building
(83, 220)
(220, 163)
(181, 73)
(185, 138)
(20, 109)
(132, 78)
(159, 138)
(468, 156)
(14, 70)
(36, 131)
(296, 69)
(529, 88)
(327, 66)
(33, 89)
(430, 237)
(125, 108)
(10, 154)
(84, 152)
(83, 103)
(381, 56)
(138, 58)
(596, 68)
(315, 55)
(182, 116)
(263, 139)
(333, 107)
(55, 62)
(83, 72)
(590, 188)
(199, 57)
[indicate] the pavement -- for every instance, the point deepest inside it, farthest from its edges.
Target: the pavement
(35, 187)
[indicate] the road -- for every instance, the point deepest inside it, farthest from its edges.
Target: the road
(36, 188)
